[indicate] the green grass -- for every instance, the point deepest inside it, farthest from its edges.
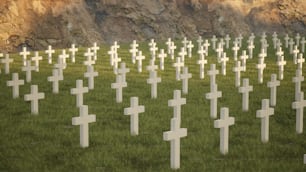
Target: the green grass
(49, 142)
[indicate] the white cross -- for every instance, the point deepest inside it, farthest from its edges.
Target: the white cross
(118, 85)
(185, 42)
(286, 40)
(24, 55)
(245, 89)
(240, 38)
(243, 59)
(252, 37)
(112, 54)
(73, 50)
(134, 111)
(116, 60)
(213, 41)
(291, 43)
(206, 45)
(153, 50)
(6, 61)
(60, 66)
(176, 103)
(212, 73)
(279, 52)
(116, 46)
(222, 42)
(95, 49)
(303, 41)
(152, 43)
(213, 96)
(79, 91)
(15, 83)
(89, 61)
(134, 51)
(274, 39)
(223, 60)
(83, 120)
(199, 41)
(219, 50)
(64, 56)
(189, 48)
(223, 123)
(235, 49)
(34, 97)
(178, 65)
(139, 58)
(50, 51)
(152, 66)
(281, 63)
(260, 66)
(201, 51)
(182, 54)
(295, 52)
(168, 43)
(300, 61)
(238, 69)
(123, 71)
(162, 57)
(202, 61)
(264, 113)
(299, 105)
(174, 137)
(172, 49)
(273, 84)
(153, 80)
(297, 38)
(55, 78)
(91, 74)
(298, 79)
(262, 54)
(227, 39)
(278, 43)
(184, 77)
(28, 69)
(250, 48)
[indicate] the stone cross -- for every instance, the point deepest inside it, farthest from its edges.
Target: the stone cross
(176, 103)
(153, 50)
(162, 55)
(223, 60)
(273, 84)
(34, 97)
(189, 48)
(15, 83)
(185, 42)
(278, 43)
(123, 71)
(243, 59)
(83, 120)
(286, 40)
(227, 40)
(116, 60)
(118, 85)
(235, 49)
(169, 43)
(55, 78)
(281, 63)
(28, 69)
(238, 69)
(213, 96)
(36, 60)
(298, 79)
(212, 73)
(303, 41)
(172, 49)
(134, 51)
(6, 61)
(50, 51)
(139, 59)
(262, 54)
(300, 60)
(297, 38)
(240, 38)
(260, 66)
(202, 61)
(213, 41)
(178, 65)
(199, 41)
(291, 43)
(245, 89)
(73, 50)
(89, 58)
(182, 54)
(174, 137)
(79, 91)
(111, 53)
(299, 105)
(264, 113)
(134, 111)
(95, 49)
(64, 56)
(201, 51)
(222, 43)
(116, 46)
(223, 123)
(153, 80)
(206, 45)
(91, 74)
(274, 39)
(184, 77)
(295, 52)
(219, 50)
(24, 55)
(152, 66)
(60, 66)
(279, 52)
(250, 48)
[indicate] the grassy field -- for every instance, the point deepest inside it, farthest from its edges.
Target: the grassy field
(49, 142)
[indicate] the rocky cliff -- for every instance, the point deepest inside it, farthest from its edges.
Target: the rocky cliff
(38, 23)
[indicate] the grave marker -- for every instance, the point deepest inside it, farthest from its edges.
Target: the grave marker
(300, 61)
(243, 59)
(182, 54)
(199, 41)
(60, 66)
(185, 42)
(134, 111)
(118, 85)
(295, 52)
(28, 69)
(73, 50)
(178, 65)
(235, 49)
(15, 83)
(134, 51)
(169, 43)
(227, 39)
(260, 66)
(172, 49)
(89, 58)
(162, 57)
(213, 96)
(153, 80)
(123, 71)
(213, 41)
(55, 78)
(286, 40)
(245, 89)
(79, 91)
(90, 74)
(206, 45)
(264, 113)
(299, 105)
(250, 48)
(237, 69)
(24, 55)
(6, 61)
(184, 77)
(189, 48)
(281, 63)
(291, 43)
(95, 49)
(202, 61)
(298, 79)
(50, 51)
(273, 84)
(152, 66)
(139, 58)
(303, 41)
(34, 96)
(176, 103)
(223, 61)
(212, 73)
(64, 56)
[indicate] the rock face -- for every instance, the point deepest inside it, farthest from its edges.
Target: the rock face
(38, 23)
